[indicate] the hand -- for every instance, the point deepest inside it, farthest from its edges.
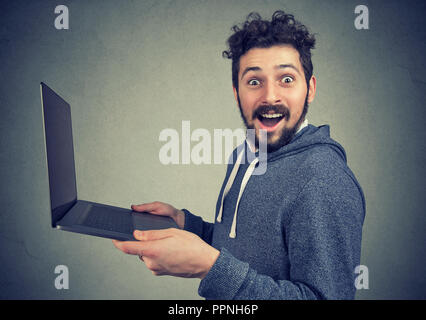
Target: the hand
(162, 209)
(171, 252)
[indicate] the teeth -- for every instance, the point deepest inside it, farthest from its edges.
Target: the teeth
(273, 115)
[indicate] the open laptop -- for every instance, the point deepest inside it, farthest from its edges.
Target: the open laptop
(68, 212)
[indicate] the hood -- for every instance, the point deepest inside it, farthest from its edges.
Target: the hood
(307, 137)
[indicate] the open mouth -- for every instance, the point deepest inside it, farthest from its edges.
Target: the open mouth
(269, 121)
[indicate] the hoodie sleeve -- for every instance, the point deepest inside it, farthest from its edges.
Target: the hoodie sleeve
(195, 224)
(323, 237)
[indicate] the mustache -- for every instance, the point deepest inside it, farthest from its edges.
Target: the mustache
(277, 108)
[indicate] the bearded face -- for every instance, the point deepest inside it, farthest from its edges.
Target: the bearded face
(273, 94)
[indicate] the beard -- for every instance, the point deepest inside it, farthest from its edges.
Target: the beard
(285, 135)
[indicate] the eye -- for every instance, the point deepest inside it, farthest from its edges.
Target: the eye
(287, 79)
(253, 82)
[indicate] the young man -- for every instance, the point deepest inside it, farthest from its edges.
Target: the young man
(293, 232)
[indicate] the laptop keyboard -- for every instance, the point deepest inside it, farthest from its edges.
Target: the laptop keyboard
(107, 219)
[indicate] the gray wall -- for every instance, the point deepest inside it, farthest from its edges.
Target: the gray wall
(130, 69)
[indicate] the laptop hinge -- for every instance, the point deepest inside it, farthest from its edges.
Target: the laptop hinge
(59, 212)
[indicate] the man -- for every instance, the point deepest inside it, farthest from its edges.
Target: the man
(293, 232)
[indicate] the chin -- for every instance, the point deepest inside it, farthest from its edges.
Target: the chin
(277, 140)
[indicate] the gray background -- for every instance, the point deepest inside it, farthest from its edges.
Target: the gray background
(130, 69)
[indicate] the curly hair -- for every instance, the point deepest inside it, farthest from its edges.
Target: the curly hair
(258, 33)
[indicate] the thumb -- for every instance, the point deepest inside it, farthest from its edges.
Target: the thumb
(149, 235)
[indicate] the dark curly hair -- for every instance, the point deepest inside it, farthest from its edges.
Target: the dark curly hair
(258, 33)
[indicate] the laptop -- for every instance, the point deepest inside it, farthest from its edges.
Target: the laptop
(68, 212)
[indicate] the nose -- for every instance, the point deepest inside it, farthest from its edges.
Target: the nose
(271, 94)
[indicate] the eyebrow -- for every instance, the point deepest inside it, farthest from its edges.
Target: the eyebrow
(280, 66)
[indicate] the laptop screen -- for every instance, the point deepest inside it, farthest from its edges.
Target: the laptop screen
(60, 153)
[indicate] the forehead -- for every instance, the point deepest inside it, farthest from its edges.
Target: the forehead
(268, 58)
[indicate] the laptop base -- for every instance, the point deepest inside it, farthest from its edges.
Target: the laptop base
(111, 222)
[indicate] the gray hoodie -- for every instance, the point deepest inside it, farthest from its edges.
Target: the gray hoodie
(293, 232)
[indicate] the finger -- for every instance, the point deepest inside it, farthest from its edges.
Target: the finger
(116, 243)
(147, 207)
(149, 235)
(130, 247)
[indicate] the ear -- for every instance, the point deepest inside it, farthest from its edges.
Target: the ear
(312, 89)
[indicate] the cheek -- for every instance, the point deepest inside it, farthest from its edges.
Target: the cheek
(296, 101)
(248, 102)
(246, 107)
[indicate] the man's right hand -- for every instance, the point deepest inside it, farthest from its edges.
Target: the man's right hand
(162, 209)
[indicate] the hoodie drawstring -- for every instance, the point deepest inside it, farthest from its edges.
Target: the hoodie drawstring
(228, 186)
(246, 178)
(229, 183)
